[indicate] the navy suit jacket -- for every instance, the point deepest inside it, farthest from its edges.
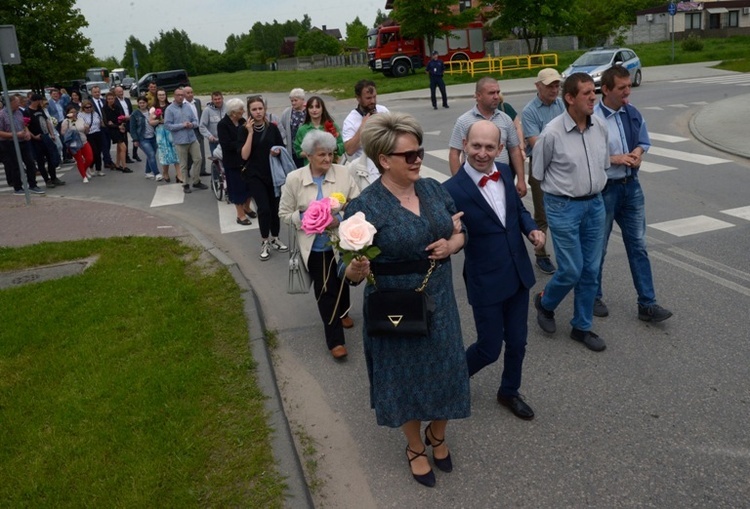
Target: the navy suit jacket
(496, 260)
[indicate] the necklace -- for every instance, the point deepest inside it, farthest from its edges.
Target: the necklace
(257, 128)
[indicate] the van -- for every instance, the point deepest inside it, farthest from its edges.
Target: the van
(168, 80)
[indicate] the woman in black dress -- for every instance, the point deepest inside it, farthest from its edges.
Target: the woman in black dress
(114, 119)
(257, 137)
(227, 131)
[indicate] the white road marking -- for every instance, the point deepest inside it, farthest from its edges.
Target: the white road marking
(667, 138)
(168, 194)
(228, 219)
(741, 212)
(691, 225)
(658, 108)
(433, 133)
(687, 156)
(678, 105)
(429, 172)
(648, 167)
(440, 154)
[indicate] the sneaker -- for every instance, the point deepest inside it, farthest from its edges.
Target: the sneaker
(654, 313)
(126, 170)
(50, 184)
(278, 245)
(265, 250)
(545, 264)
(200, 185)
(150, 176)
(589, 339)
(100, 174)
(89, 173)
(544, 317)
(600, 308)
(159, 177)
(85, 180)
(19, 192)
(186, 189)
(36, 190)
(58, 182)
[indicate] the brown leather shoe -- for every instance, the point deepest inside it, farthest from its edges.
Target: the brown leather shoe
(347, 322)
(339, 352)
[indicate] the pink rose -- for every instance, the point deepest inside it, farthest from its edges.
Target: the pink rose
(356, 233)
(317, 217)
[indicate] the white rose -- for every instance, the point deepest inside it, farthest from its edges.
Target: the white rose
(356, 233)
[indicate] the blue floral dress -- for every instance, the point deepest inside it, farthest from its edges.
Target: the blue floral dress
(415, 378)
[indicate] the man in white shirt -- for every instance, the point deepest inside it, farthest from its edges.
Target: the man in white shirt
(367, 106)
(127, 108)
(195, 104)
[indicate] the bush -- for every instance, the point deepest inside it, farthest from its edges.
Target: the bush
(692, 43)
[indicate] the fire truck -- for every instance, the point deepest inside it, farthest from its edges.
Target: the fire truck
(394, 55)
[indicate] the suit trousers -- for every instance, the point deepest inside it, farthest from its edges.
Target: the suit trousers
(503, 322)
(540, 215)
(326, 283)
(190, 159)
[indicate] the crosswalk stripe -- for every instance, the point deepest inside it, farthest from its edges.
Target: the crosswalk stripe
(686, 156)
(429, 172)
(648, 167)
(691, 225)
(741, 212)
(432, 133)
(700, 103)
(440, 154)
(678, 105)
(168, 194)
(726, 79)
(228, 219)
(657, 108)
(667, 138)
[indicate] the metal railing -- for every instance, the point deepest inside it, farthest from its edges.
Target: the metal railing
(492, 65)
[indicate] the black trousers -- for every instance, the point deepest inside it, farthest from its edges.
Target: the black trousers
(12, 170)
(326, 284)
(268, 206)
(437, 82)
(95, 140)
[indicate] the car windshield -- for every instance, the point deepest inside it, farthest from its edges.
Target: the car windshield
(592, 59)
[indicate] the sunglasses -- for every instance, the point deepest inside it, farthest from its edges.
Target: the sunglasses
(410, 156)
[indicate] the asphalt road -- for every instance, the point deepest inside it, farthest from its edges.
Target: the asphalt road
(657, 420)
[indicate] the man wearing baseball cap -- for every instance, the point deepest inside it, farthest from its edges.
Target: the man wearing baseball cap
(536, 115)
(435, 68)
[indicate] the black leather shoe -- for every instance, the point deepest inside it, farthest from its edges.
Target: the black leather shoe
(200, 185)
(444, 464)
(589, 339)
(544, 317)
(654, 313)
(136, 158)
(517, 405)
(244, 221)
(251, 214)
(427, 479)
(186, 189)
(129, 160)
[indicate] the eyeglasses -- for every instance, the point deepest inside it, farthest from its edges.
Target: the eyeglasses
(410, 156)
(87, 107)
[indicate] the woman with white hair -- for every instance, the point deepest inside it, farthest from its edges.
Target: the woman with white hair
(228, 133)
(318, 180)
(291, 119)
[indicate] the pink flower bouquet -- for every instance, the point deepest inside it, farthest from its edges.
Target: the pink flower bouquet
(317, 217)
(355, 237)
(121, 119)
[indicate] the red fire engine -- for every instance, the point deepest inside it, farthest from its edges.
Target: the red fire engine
(394, 55)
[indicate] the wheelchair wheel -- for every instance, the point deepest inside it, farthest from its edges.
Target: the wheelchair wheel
(217, 183)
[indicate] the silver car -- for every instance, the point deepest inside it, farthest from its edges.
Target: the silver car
(598, 60)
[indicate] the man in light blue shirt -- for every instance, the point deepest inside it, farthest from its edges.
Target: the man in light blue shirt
(180, 120)
(623, 196)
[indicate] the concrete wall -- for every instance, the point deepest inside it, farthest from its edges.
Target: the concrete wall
(320, 61)
(516, 47)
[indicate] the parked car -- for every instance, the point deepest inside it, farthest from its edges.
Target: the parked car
(598, 60)
(168, 80)
(103, 86)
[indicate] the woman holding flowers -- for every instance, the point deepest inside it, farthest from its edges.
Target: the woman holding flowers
(317, 117)
(311, 201)
(412, 379)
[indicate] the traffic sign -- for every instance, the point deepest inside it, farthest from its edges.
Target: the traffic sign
(672, 8)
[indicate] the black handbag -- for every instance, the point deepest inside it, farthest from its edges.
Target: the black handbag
(399, 313)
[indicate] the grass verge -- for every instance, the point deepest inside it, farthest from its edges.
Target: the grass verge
(131, 384)
(339, 81)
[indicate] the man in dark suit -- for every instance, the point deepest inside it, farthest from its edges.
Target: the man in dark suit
(497, 269)
(127, 109)
(195, 103)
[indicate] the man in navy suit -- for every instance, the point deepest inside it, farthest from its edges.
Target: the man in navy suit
(497, 268)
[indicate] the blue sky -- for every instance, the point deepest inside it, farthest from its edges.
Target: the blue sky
(208, 22)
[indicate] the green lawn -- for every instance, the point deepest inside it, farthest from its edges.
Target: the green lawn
(339, 81)
(131, 385)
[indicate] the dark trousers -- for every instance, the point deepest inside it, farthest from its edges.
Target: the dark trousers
(268, 207)
(326, 283)
(45, 151)
(95, 140)
(437, 82)
(105, 145)
(199, 136)
(540, 215)
(12, 170)
(504, 322)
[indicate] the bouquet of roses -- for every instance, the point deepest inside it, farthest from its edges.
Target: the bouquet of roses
(26, 121)
(355, 238)
(121, 119)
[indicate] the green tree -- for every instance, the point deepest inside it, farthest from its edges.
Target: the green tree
(144, 58)
(429, 18)
(172, 50)
(379, 18)
(317, 42)
(356, 34)
(596, 21)
(532, 20)
(51, 45)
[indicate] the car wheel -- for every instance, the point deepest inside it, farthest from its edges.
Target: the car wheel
(400, 69)
(637, 78)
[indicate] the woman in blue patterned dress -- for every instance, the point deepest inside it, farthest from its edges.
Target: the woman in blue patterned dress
(424, 378)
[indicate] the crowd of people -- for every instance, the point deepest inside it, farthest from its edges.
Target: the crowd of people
(583, 154)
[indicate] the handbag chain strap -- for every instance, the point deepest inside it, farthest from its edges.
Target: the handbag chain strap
(424, 281)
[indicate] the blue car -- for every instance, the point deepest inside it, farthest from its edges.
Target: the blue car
(598, 60)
